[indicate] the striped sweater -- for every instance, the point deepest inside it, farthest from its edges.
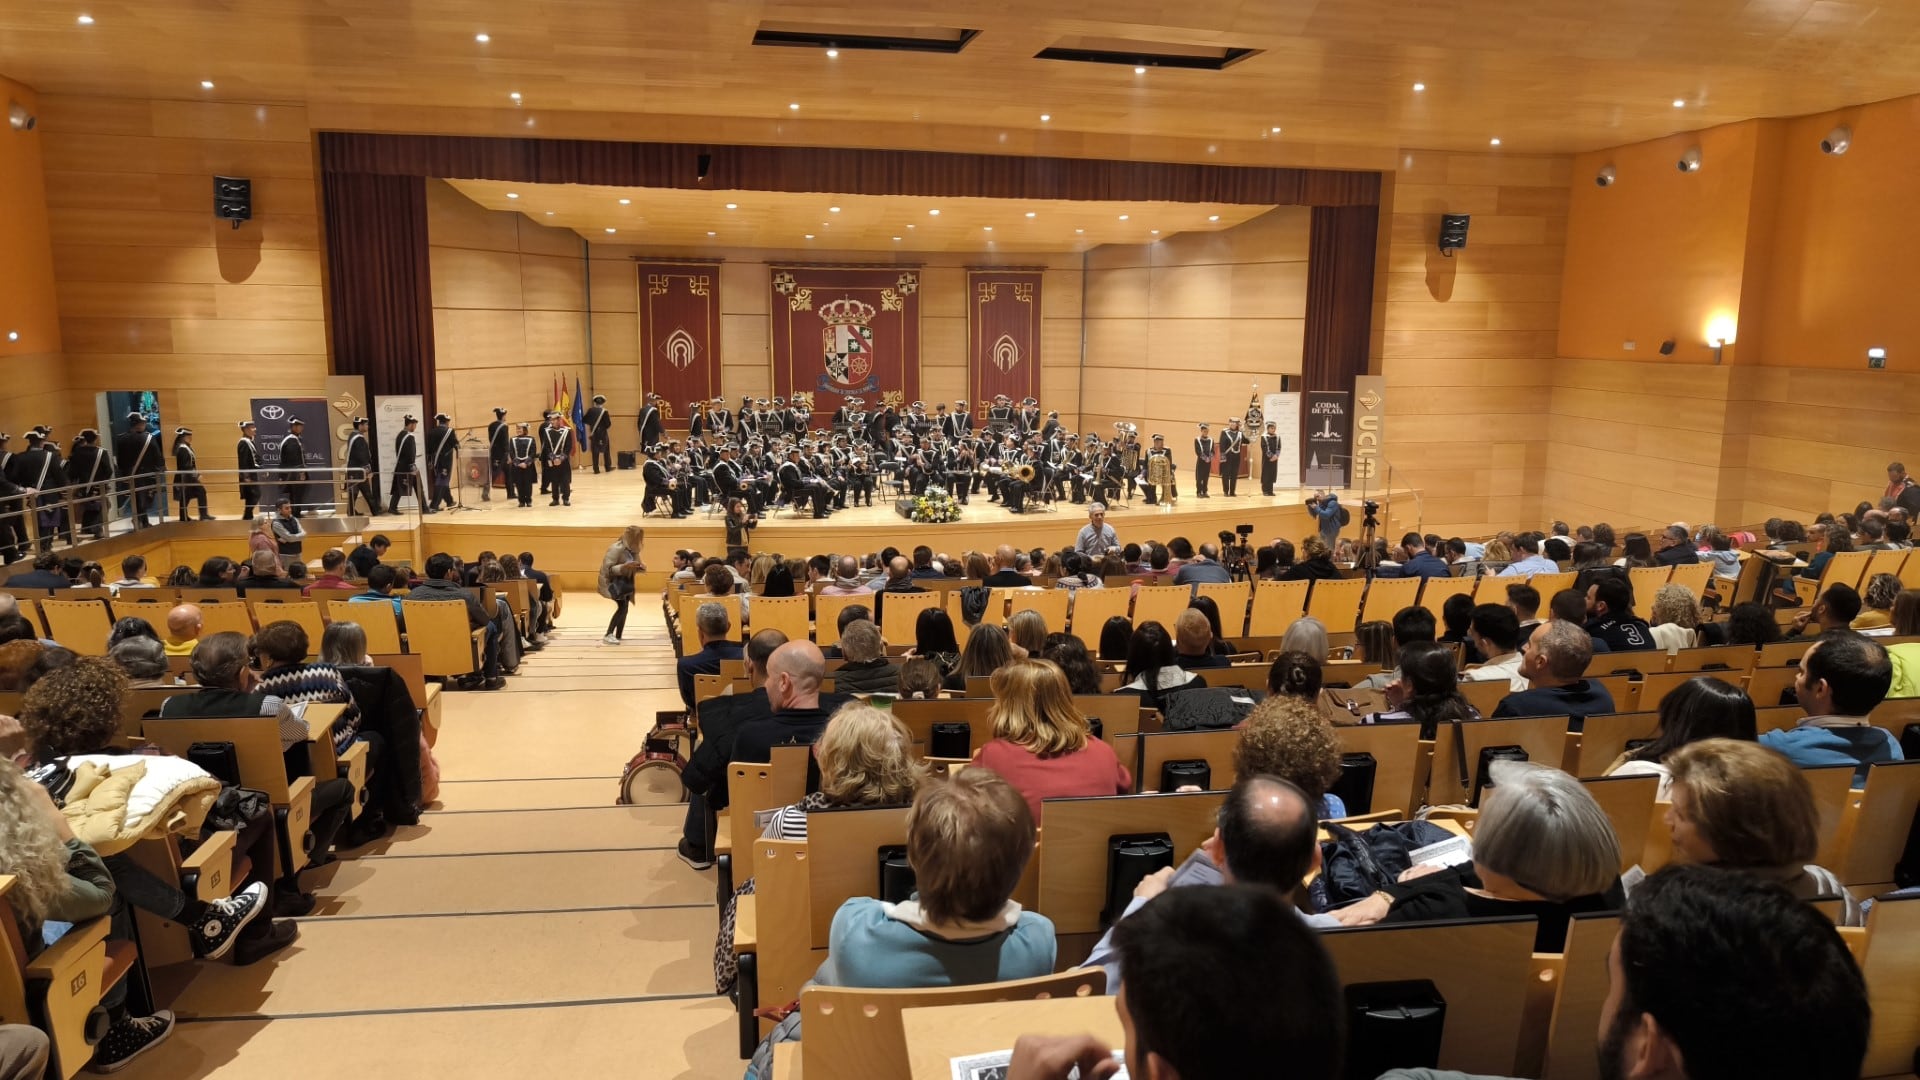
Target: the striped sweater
(322, 683)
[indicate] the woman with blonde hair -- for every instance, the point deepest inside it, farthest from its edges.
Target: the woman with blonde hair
(262, 538)
(1041, 743)
(617, 568)
(1674, 617)
(1027, 630)
(1740, 806)
(979, 567)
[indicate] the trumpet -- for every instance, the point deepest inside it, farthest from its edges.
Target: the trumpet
(1126, 427)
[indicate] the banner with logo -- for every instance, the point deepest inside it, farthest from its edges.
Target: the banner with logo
(847, 331)
(389, 412)
(679, 337)
(1369, 430)
(1326, 438)
(1283, 411)
(273, 417)
(1003, 338)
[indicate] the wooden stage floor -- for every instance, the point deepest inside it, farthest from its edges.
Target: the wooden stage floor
(572, 539)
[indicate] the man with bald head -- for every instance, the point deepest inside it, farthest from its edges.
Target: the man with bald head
(183, 630)
(846, 579)
(1268, 835)
(796, 716)
(899, 580)
(1006, 570)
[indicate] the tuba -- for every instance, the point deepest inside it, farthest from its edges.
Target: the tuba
(1024, 473)
(1127, 435)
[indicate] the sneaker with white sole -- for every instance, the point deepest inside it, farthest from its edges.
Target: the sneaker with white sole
(609, 640)
(214, 931)
(130, 1038)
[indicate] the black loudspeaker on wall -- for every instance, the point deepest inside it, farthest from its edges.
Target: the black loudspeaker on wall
(1453, 233)
(233, 199)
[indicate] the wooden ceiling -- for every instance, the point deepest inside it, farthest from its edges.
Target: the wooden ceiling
(658, 217)
(1543, 76)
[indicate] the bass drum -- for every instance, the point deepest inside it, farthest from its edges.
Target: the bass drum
(651, 781)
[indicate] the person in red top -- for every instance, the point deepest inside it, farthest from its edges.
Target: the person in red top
(1041, 744)
(331, 565)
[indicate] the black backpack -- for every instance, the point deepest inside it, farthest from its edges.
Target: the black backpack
(1210, 708)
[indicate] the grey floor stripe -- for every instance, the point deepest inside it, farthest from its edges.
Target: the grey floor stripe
(503, 1007)
(489, 914)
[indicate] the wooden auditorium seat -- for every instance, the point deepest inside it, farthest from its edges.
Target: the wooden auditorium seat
(1336, 603)
(1544, 738)
(224, 616)
(1232, 598)
(1277, 605)
(437, 633)
(62, 985)
(292, 608)
(80, 625)
(1387, 596)
(1073, 847)
(1628, 803)
(376, 620)
(1399, 762)
(852, 1033)
(1160, 603)
(900, 611)
(1091, 610)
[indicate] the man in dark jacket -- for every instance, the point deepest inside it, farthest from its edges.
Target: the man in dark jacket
(1004, 575)
(797, 714)
(706, 773)
(140, 461)
(44, 575)
(442, 582)
(715, 628)
(1554, 663)
(1675, 548)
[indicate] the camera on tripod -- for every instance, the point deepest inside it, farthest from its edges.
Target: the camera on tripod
(1371, 519)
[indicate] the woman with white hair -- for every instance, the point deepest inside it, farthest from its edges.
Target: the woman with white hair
(1542, 847)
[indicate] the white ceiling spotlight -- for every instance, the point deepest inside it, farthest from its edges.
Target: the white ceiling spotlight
(206, 84)
(1419, 88)
(1679, 103)
(1493, 142)
(513, 194)
(626, 202)
(482, 38)
(85, 20)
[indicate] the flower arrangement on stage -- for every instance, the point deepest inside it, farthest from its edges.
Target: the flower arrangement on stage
(935, 507)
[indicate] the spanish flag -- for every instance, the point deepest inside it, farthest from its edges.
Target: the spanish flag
(564, 404)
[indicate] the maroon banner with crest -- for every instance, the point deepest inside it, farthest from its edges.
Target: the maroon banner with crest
(1003, 337)
(679, 335)
(851, 331)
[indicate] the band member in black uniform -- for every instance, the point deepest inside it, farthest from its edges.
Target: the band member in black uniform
(727, 482)
(13, 525)
(442, 444)
(1029, 417)
(860, 479)
(1202, 461)
(360, 469)
(652, 428)
(795, 484)
(962, 421)
(556, 449)
(1233, 442)
(36, 469)
(599, 430)
(247, 453)
(521, 452)
(660, 484)
(719, 420)
(497, 435)
(293, 464)
(799, 415)
(88, 466)
(1000, 418)
(140, 464)
(406, 465)
(1269, 459)
(186, 475)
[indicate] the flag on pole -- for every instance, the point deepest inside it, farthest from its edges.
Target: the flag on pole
(565, 405)
(579, 414)
(556, 393)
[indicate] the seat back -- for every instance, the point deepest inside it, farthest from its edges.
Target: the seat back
(1050, 603)
(1480, 967)
(1604, 738)
(1694, 576)
(1584, 982)
(218, 617)
(1732, 661)
(689, 604)
(1767, 684)
(787, 614)
(408, 667)
(920, 716)
(1434, 592)
(1628, 803)
(1091, 610)
(1119, 716)
(1646, 580)
(1485, 694)
(293, 609)
(900, 611)
(950, 602)
(1543, 737)
(1160, 603)
(1073, 849)
(1845, 568)
(255, 739)
(437, 632)
(375, 618)
(826, 616)
(1832, 789)
(1277, 605)
(1891, 967)
(1879, 818)
(1661, 683)
(1231, 597)
(1388, 595)
(754, 787)
(1547, 585)
(1214, 747)
(843, 861)
(80, 625)
(1399, 762)
(1336, 603)
(858, 1032)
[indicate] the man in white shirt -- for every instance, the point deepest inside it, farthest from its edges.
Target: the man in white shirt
(1532, 562)
(1096, 536)
(1495, 632)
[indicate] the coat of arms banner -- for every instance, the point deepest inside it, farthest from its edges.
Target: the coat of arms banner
(841, 332)
(1003, 337)
(679, 335)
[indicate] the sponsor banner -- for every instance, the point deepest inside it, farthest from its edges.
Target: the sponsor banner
(1326, 438)
(1283, 411)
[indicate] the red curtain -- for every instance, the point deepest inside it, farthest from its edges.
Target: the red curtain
(680, 334)
(847, 331)
(1003, 336)
(381, 315)
(1339, 322)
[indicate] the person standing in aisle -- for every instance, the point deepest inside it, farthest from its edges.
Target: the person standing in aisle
(1202, 461)
(497, 438)
(1269, 459)
(521, 452)
(556, 449)
(186, 474)
(406, 460)
(247, 453)
(1232, 442)
(93, 470)
(140, 463)
(441, 444)
(293, 464)
(617, 569)
(360, 469)
(599, 425)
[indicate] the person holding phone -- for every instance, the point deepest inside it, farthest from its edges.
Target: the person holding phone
(617, 569)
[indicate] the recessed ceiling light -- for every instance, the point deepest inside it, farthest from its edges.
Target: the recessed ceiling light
(1078, 231)
(515, 95)
(1123, 217)
(833, 209)
(482, 38)
(513, 194)
(896, 239)
(988, 228)
(13, 335)
(809, 236)
(933, 213)
(1139, 71)
(733, 206)
(710, 232)
(1030, 213)
(1213, 217)
(206, 84)
(1419, 87)
(833, 54)
(1493, 142)
(1273, 131)
(1044, 117)
(1155, 232)
(613, 230)
(795, 106)
(85, 20)
(626, 202)
(1679, 103)
(910, 226)
(529, 121)
(549, 213)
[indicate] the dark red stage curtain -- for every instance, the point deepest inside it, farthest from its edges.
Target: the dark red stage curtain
(827, 169)
(846, 331)
(381, 317)
(680, 334)
(1003, 337)
(1339, 321)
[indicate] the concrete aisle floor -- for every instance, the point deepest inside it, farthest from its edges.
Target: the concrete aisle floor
(526, 927)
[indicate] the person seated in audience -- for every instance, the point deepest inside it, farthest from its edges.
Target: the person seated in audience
(899, 579)
(1456, 621)
(866, 670)
(1749, 623)
(1151, 671)
(1027, 632)
(144, 662)
(1267, 836)
(265, 571)
(1876, 605)
(1418, 561)
(1006, 574)
(133, 574)
(1718, 549)
(1610, 617)
(442, 582)
(183, 630)
(705, 775)
(1531, 561)
(1842, 678)
(380, 585)
(1041, 743)
(795, 712)
(1081, 573)
(1222, 983)
(1673, 618)
(717, 643)
(1206, 605)
(1740, 806)
(1380, 643)
(1703, 707)
(1827, 541)
(1571, 606)
(1494, 632)
(1835, 609)
(987, 651)
(1296, 674)
(1115, 635)
(1203, 568)
(44, 575)
(58, 879)
(920, 679)
(333, 565)
(846, 579)
(1905, 656)
(933, 639)
(131, 626)
(1542, 847)
(1193, 642)
(1316, 563)
(1307, 635)
(1674, 547)
(368, 555)
(1070, 654)
(1289, 738)
(1636, 553)
(1554, 663)
(1425, 690)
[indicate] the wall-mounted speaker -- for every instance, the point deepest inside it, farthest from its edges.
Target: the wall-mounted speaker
(1453, 232)
(233, 199)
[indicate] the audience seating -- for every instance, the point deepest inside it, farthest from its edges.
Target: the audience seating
(62, 985)
(1277, 605)
(1400, 764)
(1157, 749)
(1694, 576)
(1832, 788)
(858, 1032)
(826, 616)
(920, 716)
(1091, 610)
(1485, 695)
(256, 744)
(751, 789)
(80, 625)
(1160, 603)
(1628, 803)
(1073, 847)
(292, 609)
(376, 620)
(1336, 603)
(1050, 603)
(437, 632)
(1646, 580)
(787, 614)
(1433, 595)
(1544, 738)
(1767, 684)
(1890, 962)
(1604, 738)
(1729, 662)
(1584, 982)
(1875, 824)
(1545, 584)
(1232, 598)
(221, 616)
(1388, 595)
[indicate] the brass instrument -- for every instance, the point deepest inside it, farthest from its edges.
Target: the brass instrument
(1127, 434)
(1160, 475)
(1024, 473)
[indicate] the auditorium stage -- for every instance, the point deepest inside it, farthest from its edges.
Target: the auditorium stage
(570, 540)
